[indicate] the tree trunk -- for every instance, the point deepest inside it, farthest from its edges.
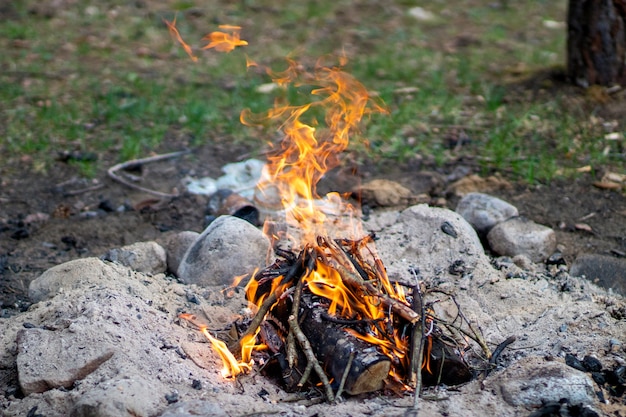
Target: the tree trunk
(596, 42)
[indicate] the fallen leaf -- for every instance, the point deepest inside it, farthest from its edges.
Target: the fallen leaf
(607, 185)
(584, 227)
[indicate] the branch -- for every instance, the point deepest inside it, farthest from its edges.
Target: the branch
(112, 172)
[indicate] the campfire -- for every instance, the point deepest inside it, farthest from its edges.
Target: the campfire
(327, 315)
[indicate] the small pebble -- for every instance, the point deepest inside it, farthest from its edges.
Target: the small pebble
(192, 298)
(615, 345)
(196, 384)
(172, 397)
(592, 364)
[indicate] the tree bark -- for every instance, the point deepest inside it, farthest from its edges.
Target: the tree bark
(596, 42)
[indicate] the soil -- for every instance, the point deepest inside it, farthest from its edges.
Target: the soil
(47, 218)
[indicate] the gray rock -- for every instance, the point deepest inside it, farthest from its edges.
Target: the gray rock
(434, 242)
(48, 359)
(194, 408)
(533, 380)
(147, 257)
(605, 271)
(176, 245)
(520, 236)
(483, 211)
(127, 397)
(228, 247)
(79, 274)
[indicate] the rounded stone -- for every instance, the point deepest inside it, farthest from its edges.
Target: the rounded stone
(148, 257)
(532, 381)
(176, 245)
(521, 236)
(605, 271)
(229, 247)
(433, 242)
(484, 211)
(80, 274)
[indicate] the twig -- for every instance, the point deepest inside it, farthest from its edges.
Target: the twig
(306, 374)
(474, 335)
(344, 377)
(295, 311)
(308, 352)
(497, 352)
(351, 277)
(417, 355)
(84, 190)
(256, 321)
(138, 162)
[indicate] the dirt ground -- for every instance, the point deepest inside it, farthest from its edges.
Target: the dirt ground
(53, 217)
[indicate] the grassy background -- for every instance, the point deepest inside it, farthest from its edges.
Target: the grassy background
(471, 82)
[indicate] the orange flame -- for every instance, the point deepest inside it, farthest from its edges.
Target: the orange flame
(224, 42)
(311, 147)
(176, 34)
(232, 366)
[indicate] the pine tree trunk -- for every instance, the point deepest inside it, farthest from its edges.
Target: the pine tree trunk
(596, 42)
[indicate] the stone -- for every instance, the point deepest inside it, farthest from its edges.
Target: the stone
(176, 244)
(194, 408)
(147, 257)
(532, 381)
(484, 211)
(432, 242)
(124, 397)
(228, 247)
(384, 193)
(48, 359)
(605, 271)
(79, 274)
(521, 236)
(474, 183)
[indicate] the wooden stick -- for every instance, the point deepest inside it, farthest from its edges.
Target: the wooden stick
(351, 277)
(342, 383)
(308, 352)
(235, 348)
(112, 172)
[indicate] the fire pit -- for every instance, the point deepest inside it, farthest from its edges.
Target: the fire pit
(332, 316)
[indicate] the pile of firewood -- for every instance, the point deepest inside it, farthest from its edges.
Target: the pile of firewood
(329, 316)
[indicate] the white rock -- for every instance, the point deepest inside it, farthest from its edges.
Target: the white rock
(533, 380)
(228, 247)
(436, 241)
(484, 211)
(80, 274)
(520, 236)
(46, 359)
(147, 257)
(127, 397)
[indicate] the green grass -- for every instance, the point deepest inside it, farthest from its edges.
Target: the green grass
(106, 77)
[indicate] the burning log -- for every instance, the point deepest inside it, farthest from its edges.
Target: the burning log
(336, 347)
